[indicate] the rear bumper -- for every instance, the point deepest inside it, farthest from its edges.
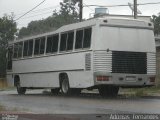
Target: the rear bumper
(125, 80)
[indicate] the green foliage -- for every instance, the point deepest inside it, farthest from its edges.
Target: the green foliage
(2, 108)
(7, 29)
(156, 21)
(66, 15)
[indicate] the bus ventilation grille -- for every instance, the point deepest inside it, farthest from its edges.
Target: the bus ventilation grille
(88, 61)
(129, 62)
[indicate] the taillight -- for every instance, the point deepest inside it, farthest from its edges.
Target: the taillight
(102, 78)
(152, 79)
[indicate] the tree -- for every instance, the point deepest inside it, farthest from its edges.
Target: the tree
(66, 15)
(156, 21)
(7, 30)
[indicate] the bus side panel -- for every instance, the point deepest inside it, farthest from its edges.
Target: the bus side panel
(64, 62)
(81, 79)
(77, 79)
(10, 80)
(50, 79)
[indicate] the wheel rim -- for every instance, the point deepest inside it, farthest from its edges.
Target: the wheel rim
(65, 86)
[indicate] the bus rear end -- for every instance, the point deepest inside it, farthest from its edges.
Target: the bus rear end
(124, 54)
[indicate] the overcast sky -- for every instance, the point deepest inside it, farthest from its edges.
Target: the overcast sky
(19, 7)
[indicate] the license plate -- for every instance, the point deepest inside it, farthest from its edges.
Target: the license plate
(130, 78)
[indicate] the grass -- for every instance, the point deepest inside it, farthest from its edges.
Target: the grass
(2, 108)
(3, 83)
(15, 109)
(142, 91)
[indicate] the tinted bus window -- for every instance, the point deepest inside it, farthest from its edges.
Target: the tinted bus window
(79, 39)
(55, 43)
(15, 55)
(63, 42)
(36, 46)
(30, 49)
(87, 38)
(39, 46)
(52, 44)
(49, 44)
(25, 48)
(20, 47)
(42, 45)
(70, 40)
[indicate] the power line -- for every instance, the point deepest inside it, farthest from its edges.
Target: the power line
(149, 3)
(120, 5)
(30, 10)
(84, 5)
(37, 15)
(39, 10)
(87, 6)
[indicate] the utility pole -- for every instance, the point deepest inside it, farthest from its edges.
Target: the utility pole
(135, 9)
(80, 10)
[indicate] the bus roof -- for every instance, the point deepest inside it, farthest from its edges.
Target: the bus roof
(92, 22)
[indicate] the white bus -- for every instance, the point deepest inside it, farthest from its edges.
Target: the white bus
(101, 53)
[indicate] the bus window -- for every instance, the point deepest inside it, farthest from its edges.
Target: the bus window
(30, 47)
(15, 55)
(42, 45)
(55, 43)
(37, 45)
(79, 39)
(63, 42)
(87, 38)
(49, 44)
(25, 48)
(70, 40)
(52, 44)
(20, 47)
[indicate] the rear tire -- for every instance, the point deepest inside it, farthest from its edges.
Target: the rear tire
(108, 91)
(64, 85)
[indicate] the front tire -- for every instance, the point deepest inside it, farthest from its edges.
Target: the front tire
(21, 90)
